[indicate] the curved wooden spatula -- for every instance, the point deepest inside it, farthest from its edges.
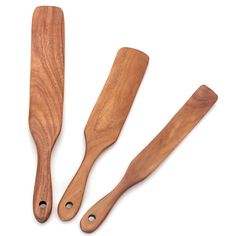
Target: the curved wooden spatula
(152, 155)
(46, 98)
(106, 121)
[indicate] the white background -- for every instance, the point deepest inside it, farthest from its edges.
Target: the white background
(189, 43)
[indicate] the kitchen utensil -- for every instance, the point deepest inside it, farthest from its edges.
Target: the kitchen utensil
(106, 121)
(153, 154)
(46, 98)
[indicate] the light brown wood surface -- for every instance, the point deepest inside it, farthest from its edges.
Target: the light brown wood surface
(46, 98)
(153, 154)
(106, 121)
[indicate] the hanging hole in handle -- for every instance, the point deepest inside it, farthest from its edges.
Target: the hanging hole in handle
(91, 218)
(69, 205)
(42, 204)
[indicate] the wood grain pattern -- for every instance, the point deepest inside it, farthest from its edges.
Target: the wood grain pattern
(152, 156)
(106, 121)
(46, 98)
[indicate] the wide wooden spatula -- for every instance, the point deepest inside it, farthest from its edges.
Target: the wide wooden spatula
(152, 155)
(106, 121)
(46, 98)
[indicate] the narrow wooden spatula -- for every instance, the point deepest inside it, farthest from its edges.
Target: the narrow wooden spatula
(153, 154)
(106, 121)
(46, 98)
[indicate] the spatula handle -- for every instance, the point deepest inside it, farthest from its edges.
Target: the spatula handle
(98, 212)
(42, 201)
(71, 200)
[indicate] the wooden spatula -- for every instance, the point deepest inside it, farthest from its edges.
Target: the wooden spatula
(106, 121)
(46, 98)
(152, 155)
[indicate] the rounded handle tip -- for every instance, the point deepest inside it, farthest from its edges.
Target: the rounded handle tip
(71, 200)
(67, 210)
(42, 210)
(89, 222)
(94, 217)
(42, 200)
